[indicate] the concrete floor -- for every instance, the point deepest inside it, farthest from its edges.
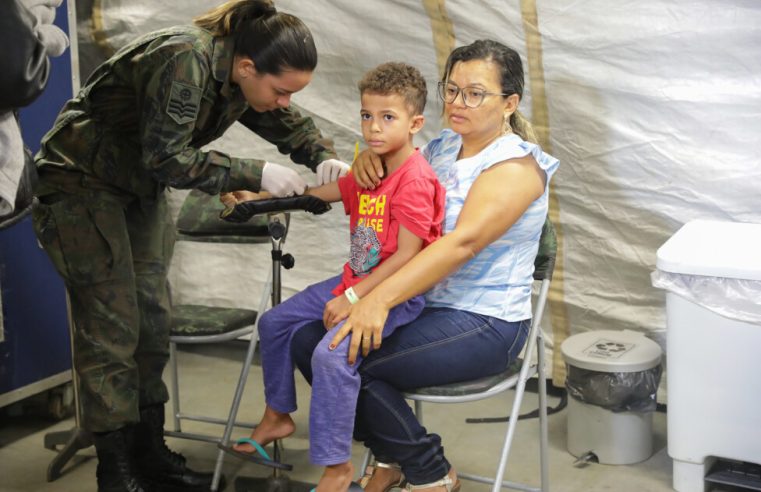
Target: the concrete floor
(208, 377)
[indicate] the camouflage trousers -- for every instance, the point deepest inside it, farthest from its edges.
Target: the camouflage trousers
(113, 254)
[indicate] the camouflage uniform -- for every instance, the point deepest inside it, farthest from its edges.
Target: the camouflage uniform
(135, 128)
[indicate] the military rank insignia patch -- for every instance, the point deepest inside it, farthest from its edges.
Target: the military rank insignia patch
(184, 103)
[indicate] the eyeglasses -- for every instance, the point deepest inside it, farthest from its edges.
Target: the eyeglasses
(472, 97)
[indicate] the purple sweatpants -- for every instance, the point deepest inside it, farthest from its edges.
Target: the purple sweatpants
(335, 383)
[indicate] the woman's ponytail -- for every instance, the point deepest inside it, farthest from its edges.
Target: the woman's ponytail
(231, 16)
(275, 41)
(521, 127)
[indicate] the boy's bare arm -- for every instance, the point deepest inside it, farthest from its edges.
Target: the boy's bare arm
(329, 192)
(408, 245)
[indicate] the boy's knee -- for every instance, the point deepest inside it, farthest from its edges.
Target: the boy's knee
(331, 360)
(267, 324)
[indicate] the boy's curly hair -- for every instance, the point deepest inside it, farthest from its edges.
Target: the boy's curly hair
(397, 78)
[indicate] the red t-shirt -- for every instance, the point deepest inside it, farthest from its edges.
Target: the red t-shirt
(410, 196)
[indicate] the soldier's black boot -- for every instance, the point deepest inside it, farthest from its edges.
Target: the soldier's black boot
(116, 469)
(164, 468)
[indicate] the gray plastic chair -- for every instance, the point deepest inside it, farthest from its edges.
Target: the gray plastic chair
(199, 221)
(515, 377)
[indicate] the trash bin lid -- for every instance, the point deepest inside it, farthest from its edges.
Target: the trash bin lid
(611, 351)
(715, 249)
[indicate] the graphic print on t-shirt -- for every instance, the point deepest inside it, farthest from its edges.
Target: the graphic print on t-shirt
(365, 243)
(365, 250)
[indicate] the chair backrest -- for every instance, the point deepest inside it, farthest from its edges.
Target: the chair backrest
(544, 263)
(199, 220)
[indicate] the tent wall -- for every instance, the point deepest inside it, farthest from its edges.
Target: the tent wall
(652, 108)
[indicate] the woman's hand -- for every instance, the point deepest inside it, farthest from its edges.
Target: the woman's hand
(367, 169)
(365, 323)
(336, 310)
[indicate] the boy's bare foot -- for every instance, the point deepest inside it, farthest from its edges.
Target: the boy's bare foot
(336, 478)
(274, 425)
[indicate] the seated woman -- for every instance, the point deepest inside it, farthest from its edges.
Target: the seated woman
(476, 278)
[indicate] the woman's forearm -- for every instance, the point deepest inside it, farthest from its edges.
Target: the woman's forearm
(425, 270)
(383, 272)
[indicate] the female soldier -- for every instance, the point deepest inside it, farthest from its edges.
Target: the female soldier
(135, 128)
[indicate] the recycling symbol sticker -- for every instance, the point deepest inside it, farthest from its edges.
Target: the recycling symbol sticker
(608, 349)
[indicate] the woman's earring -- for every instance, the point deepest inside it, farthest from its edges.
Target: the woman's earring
(506, 124)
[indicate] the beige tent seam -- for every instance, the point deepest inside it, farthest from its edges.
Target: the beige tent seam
(541, 123)
(98, 33)
(442, 30)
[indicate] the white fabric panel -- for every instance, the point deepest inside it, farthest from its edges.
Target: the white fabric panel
(652, 108)
(654, 114)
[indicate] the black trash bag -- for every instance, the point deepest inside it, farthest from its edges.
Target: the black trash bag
(615, 391)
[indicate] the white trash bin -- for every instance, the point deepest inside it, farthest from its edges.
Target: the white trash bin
(612, 380)
(712, 273)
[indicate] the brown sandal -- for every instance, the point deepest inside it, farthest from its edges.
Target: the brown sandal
(370, 471)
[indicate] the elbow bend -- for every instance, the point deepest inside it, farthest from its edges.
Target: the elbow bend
(180, 182)
(468, 250)
(463, 245)
(471, 250)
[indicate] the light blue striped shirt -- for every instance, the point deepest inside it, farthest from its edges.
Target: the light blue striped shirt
(497, 281)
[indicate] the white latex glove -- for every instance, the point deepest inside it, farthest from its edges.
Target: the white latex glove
(282, 181)
(53, 38)
(330, 170)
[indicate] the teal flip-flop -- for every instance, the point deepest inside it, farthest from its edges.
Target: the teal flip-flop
(261, 457)
(255, 445)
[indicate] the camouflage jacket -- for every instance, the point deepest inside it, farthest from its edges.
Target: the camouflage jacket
(138, 123)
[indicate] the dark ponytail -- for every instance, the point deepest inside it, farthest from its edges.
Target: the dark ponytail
(275, 41)
(228, 17)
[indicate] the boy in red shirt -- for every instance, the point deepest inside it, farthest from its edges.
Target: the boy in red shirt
(389, 225)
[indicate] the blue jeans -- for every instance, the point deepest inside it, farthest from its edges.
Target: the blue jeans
(336, 383)
(442, 346)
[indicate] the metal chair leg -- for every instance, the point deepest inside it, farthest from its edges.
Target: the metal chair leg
(419, 411)
(234, 409)
(277, 481)
(365, 462)
(175, 387)
(542, 394)
(73, 440)
(241, 384)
